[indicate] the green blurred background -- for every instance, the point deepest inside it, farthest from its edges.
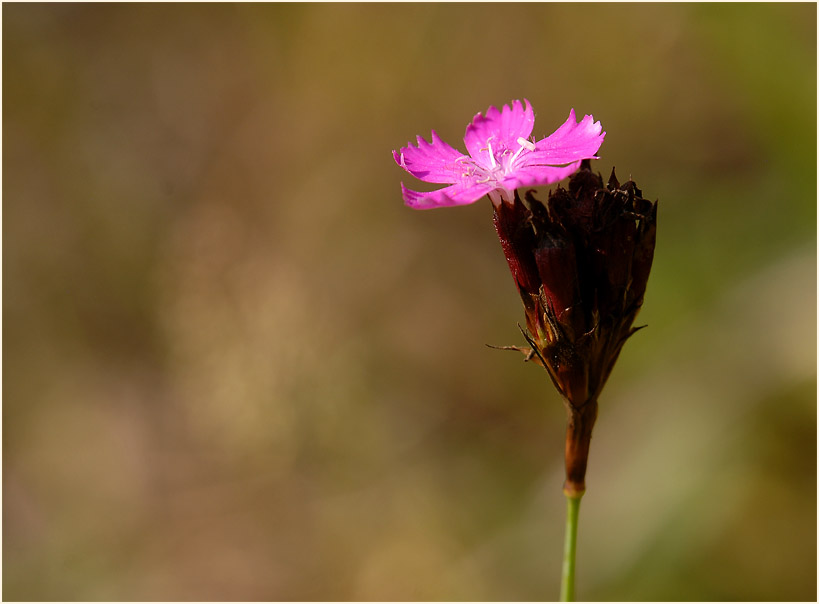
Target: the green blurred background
(237, 367)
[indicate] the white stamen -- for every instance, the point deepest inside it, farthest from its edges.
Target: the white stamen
(492, 155)
(524, 144)
(528, 145)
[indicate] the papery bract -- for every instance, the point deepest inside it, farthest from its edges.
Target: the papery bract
(502, 157)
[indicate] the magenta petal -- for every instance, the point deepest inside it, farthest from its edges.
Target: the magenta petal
(456, 195)
(430, 162)
(570, 142)
(500, 129)
(535, 176)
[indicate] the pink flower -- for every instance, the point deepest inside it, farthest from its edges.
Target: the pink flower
(501, 158)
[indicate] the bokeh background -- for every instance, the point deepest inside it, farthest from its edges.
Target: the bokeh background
(236, 367)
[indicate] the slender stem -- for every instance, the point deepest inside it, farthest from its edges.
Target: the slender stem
(570, 547)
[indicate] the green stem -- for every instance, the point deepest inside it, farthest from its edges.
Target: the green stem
(570, 547)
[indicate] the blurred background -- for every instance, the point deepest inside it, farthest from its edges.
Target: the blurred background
(237, 367)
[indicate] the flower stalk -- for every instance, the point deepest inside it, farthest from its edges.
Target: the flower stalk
(570, 548)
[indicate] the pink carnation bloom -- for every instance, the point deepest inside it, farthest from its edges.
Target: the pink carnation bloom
(501, 158)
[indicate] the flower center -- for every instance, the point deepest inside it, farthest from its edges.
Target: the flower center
(503, 160)
(501, 164)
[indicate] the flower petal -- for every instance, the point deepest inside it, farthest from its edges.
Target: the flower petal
(501, 129)
(535, 176)
(570, 142)
(430, 162)
(455, 195)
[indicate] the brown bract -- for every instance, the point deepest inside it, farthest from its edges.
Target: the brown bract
(581, 264)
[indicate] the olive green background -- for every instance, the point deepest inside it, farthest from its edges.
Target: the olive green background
(237, 367)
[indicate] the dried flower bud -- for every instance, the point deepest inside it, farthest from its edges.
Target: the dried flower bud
(581, 264)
